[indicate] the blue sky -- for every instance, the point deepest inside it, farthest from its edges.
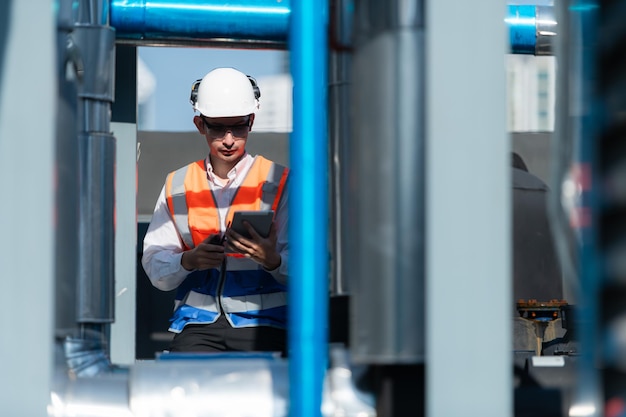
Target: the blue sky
(176, 68)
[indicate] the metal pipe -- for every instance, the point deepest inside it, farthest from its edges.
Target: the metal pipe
(308, 303)
(238, 23)
(95, 44)
(546, 30)
(97, 236)
(104, 396)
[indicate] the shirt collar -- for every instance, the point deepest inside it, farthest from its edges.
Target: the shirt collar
(232, 174)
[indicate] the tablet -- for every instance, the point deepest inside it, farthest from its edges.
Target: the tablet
(261, 221)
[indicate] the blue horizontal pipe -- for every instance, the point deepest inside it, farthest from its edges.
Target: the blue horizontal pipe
(201, 20)
(522, 24)
(265, 22)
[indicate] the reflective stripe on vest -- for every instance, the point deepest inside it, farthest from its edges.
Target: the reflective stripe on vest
(250, 298)
(177, 203)
(192, 205)
(238, 304)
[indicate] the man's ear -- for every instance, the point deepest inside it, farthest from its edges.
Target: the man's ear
(251, 121)
(200, 125)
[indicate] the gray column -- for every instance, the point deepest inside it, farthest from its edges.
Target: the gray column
(27, 127)
(468, 279)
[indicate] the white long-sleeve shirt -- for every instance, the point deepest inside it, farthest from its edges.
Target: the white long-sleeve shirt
(163, 247)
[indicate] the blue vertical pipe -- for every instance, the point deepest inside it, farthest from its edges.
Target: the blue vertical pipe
(308, 194)
(584, 20)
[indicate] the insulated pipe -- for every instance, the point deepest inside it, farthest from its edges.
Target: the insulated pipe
(208, 385)
(238, 23)
(308, 267)
(386, 189)
(265, 24)
(213, 385)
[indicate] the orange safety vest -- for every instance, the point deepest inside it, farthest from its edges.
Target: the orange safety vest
(248, 297)
(193, 207)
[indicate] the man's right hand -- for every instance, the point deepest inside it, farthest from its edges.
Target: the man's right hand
(208, 254)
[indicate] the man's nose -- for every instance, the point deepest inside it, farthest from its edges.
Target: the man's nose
(229, 139)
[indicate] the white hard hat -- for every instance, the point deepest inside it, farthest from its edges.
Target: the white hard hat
(225, 92)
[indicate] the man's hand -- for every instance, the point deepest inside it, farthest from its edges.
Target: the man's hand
(261, 250)
(208, 254)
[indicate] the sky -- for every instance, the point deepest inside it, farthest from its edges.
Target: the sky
(174, 69)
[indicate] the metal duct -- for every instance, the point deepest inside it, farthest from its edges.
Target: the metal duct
(240, 23)
(386, 183)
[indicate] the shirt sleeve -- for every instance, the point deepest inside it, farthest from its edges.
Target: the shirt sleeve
(281, 273)
(163, 249)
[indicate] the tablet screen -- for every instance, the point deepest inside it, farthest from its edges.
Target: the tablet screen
(261, 221)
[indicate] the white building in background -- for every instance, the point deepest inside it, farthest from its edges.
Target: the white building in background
(146, 101)
(275, 111)
(531, 93)
(530, 101)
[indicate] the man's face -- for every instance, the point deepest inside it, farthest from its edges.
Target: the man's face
(226, 136)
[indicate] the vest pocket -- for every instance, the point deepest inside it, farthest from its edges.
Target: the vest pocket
(201, 233)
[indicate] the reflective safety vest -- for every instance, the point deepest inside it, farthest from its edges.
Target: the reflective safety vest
(247, 294)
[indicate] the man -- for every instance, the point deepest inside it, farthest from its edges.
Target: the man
(231, 290)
